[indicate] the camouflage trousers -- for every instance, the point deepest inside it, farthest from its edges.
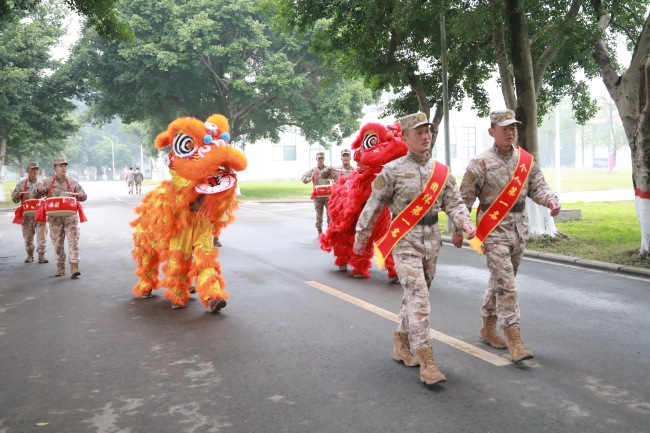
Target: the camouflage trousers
(415, 262)
(62, 227)
(501, 295)
(31, 228)
(320, 203)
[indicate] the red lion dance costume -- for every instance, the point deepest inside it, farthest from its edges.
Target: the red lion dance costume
(177, 220)
(374, 146)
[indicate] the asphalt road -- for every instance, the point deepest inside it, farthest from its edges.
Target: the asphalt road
(302, 347)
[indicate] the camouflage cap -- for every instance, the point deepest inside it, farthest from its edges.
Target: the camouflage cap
(503, 118)
(345, 152)
(32, 164)
(414, 120)
(60, 160)
(320, 155)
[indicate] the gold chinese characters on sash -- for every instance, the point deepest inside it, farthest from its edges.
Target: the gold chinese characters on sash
(412, 213)
(505, 200)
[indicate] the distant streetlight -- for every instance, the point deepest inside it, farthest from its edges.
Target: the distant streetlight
(112, 154)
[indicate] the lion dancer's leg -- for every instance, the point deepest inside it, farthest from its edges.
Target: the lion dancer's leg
(176, 277)
(390, 267)
(342, 250)
(361, 264)
(210, 285)
(177, 268)
(147, 271)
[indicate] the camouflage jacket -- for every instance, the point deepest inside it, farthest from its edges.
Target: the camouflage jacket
(60, 188)
(401, 181)
(487, 175)
(20, 187)
(335, 173)
(316, 176)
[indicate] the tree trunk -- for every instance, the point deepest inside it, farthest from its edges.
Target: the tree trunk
(640, 147)
(631, 95)
(540, 219)
(3, 158)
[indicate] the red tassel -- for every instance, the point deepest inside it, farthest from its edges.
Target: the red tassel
(18, 218)
(80, 211)
(40, 214)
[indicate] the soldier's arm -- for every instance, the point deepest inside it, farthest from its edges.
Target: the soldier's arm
(81, 194)
(454, 206)
(382, 191)
(16, 193)
(538, 190)
(326, 172)
(306, 178)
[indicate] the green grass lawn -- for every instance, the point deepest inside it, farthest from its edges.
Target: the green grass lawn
(608, 232)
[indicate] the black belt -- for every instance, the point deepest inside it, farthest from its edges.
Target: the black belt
(428, 220)
(518, 207)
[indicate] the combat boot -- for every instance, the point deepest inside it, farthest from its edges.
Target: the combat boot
(518, 352)
(402, 349)
(74, 270)
(429, 372)
(42, 259)
(488, 333)
(29, 258)
(60, 270)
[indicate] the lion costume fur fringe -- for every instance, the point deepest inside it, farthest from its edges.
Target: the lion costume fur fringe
(176, 221)
(374, 146)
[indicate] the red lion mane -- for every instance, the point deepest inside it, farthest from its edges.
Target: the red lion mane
(374, 146)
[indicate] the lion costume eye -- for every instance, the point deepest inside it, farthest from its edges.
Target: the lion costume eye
(370, 140)
(183, 145)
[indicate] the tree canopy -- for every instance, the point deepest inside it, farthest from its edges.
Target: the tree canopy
(99, 14)
(35, 98)
(199, 58)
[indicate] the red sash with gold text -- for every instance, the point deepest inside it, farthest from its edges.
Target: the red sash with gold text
(412, 213)
(505, 200)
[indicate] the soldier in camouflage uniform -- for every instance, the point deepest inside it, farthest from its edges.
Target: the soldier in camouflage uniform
(416, 254)
(336, 173)
(315, 175)
(63, 226)
(23, 191)
(486, 176)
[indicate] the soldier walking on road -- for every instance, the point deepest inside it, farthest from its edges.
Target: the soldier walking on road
(129, 179)
(320, 195)
(63, 226)
(138, 177)
(23, 191)
(504, 175)
(415, 188)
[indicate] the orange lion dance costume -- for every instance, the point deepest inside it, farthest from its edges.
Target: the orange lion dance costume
(177, 220)
(374, 146)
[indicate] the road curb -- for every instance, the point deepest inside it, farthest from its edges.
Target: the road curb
(575, 261)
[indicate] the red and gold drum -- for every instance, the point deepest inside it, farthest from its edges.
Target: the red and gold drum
(30, 206)
(323, 191)
(60, 206)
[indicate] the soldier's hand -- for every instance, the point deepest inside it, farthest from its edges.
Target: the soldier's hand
(15, 195)
(554, 207)
(457, 239)
(358, 248)
(82, 196)
(470, 230)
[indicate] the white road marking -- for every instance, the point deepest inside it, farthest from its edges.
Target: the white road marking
(444, 338)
